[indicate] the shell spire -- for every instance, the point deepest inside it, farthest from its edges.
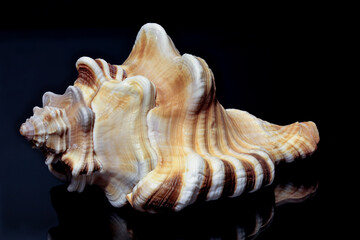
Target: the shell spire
(157, 132)
(27, 130)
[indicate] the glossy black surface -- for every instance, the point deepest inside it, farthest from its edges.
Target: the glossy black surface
(272, 69)
(239, 218)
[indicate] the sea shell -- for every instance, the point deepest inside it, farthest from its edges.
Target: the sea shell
(151, 132)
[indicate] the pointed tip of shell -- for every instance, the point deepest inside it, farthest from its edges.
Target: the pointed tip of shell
(312, 131)
(85, 60)
(159, 37)
(27, 130)
(152, 26)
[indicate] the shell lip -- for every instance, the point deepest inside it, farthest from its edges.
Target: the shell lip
(27, 130)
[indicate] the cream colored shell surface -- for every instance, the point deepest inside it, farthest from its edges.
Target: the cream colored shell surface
(150, 132)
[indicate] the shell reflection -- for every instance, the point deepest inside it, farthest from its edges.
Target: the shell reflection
(207, 220)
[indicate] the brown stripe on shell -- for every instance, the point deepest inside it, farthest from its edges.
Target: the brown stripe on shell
(205, 188)
(98, 61)
(68, 162)
(265, 167)
(86, 76)
(124, 74)
(166, 196)
(112, 70)
(230, 179)
(250, 175)
(85, 169)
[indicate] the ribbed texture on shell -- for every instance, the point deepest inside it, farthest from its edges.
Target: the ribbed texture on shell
(78, 153)
(204, 151)
(151, 131)
(120, 135)
(63, 128)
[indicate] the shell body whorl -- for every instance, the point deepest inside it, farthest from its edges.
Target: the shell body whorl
(152, 133)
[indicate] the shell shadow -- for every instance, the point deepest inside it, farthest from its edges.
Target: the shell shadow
(88, 215)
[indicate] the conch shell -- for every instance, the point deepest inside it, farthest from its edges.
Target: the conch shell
(151, 132)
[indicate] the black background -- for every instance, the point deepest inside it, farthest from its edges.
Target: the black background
(275, 62)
